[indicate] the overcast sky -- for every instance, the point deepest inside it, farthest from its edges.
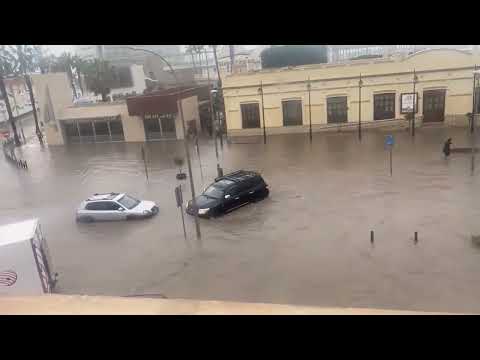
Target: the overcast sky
(58, 49)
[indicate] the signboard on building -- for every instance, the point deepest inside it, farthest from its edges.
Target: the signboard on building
(159, 116)
(406, 103)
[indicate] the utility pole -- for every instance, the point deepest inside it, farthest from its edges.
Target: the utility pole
(309, 87)
(34, 108)
(23, 69)
(15, 105)
(212, 114)
(360, 83)
(11, 119)
(472, 125)
(185, 141)
(415, 78)
(260, 90)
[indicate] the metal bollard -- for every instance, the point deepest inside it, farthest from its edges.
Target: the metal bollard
(415, 237)
(371, 236)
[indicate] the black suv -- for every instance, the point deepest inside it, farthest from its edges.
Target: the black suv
(229, 192)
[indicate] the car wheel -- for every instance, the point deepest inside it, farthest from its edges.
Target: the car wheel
(86, 219)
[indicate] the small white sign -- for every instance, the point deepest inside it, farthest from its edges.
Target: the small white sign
(406, 102)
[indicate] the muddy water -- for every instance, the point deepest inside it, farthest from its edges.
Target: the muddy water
(308, 243)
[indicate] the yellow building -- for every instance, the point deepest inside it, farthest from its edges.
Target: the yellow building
(152, 117)
(444, 88)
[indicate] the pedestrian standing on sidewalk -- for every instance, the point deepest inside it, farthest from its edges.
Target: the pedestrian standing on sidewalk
(446, 147)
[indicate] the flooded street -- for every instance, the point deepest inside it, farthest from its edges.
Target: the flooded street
(307, 244)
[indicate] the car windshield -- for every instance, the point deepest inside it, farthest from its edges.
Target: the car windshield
(213, 192)
(128, 201)
(217, 189)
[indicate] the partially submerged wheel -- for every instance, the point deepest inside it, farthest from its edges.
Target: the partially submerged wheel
(85, 219)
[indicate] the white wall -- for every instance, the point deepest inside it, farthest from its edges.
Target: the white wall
(138, 78)
(61, 95)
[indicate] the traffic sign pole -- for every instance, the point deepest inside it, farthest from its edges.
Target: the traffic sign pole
(389, 142)
(145, 162)
(179, 198)
(391, 169)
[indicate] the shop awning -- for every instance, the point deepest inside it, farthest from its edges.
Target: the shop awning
(161, 102)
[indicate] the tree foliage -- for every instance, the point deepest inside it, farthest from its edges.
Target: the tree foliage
(20, 59)
(99, 77)
(293, 55)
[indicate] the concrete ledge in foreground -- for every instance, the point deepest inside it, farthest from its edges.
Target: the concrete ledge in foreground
(103, 305)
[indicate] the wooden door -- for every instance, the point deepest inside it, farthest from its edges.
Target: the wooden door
(433, 106)
(250, 115)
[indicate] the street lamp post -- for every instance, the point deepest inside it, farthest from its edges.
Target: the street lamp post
(415, 79)
(472, 124)
(212, 114)
(474, 99)
(360, 83)
(309, 87)
(185, 143)
(260, 90)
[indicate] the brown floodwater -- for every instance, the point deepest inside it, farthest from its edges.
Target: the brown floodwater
(307, 244)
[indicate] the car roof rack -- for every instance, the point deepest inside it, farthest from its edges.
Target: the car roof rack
(237, 175)
(103, 196)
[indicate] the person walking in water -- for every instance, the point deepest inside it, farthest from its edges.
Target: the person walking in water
(446, 147)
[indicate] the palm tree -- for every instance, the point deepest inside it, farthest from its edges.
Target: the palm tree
(232, 58)
(46, 62)
(214, 47)
(191, 50)
(199, 51)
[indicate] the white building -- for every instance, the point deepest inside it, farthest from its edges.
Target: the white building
(245, 60)
(138, 84)
(119, 55)
(337, 53)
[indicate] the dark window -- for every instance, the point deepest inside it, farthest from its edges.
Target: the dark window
(94, 206)
(86, 128)
(102, 206)
(71, 129)
(116, 130)
(384, 106)
(110, 205)
(168, 124)
(250, 116)
(292, 112)
(101, 131)
(245, 185)
(337, 109)
(234, 190)
(152, 125)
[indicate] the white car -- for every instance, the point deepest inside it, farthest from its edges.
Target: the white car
(114, 206)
